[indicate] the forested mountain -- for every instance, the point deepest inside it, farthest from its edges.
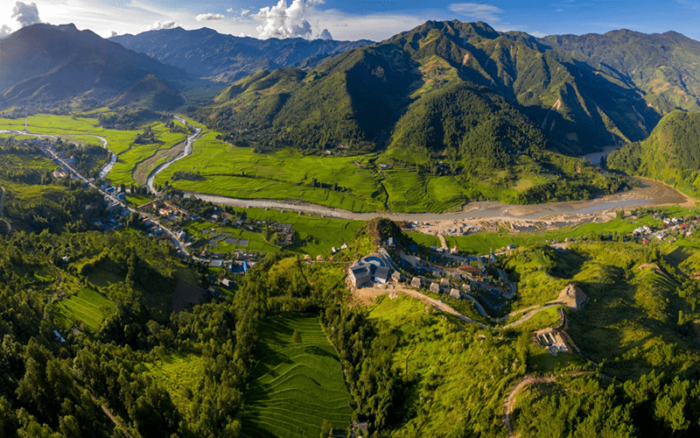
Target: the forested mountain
(663, 66)
(44, 64)
(358, 97)
(670, 154)
(207, 53)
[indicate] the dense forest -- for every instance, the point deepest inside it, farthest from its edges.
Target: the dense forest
(670, 154)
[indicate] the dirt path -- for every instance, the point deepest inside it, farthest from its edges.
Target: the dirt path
(512, 398)
(530, 314)
(112, 418)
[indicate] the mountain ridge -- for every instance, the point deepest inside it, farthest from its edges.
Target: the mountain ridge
(207, 53)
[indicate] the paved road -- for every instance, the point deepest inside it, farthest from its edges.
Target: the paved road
(150, 182)
(153, 219)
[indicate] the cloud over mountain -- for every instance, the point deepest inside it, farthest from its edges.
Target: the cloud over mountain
(160, 25)
(285, 21)
(26, 14)
(210, 17)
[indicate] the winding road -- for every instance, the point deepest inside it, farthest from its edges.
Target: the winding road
(150, 182)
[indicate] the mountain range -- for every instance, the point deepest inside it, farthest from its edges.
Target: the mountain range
(44, 64)
(206, 53)
(446, 90)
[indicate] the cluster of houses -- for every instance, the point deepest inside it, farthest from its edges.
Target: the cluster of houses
(670, 227)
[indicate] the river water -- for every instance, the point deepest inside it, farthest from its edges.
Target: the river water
(651, 193)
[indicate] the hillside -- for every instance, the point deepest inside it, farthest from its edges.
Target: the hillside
(357, 98)
(207, 53)
(663, 66)
(44, 64)
(671, 154)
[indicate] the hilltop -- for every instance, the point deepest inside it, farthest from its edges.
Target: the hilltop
(671, 153)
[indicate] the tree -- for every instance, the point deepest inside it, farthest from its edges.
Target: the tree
(326, 429)
(296, 337)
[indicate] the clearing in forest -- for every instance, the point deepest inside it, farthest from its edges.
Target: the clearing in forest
(296, 385)
(86, 306)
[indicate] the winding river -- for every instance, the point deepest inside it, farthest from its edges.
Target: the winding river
(651, 193)
(150, 182)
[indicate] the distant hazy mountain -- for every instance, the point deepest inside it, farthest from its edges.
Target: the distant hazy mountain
(44, 64)
(664, 67)
(207, 53)
(414, 91)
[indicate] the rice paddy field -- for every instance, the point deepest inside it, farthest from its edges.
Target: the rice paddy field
(87, 306)
(296, 386)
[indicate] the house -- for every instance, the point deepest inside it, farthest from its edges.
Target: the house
(59, 338)
(228, 284)
(216, 263)
(454, 250)
(360, 275)
(435, 288)
(397, 277)
(391, 242)
(467, 288)
(381, 274)
(552, 340)
(416, 282)
(454, 293)
(445, 283)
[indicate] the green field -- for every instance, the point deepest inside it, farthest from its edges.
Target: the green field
(179, 374)
(296, 386)
(87, 306)
(315, 235)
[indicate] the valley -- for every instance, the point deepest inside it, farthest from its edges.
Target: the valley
(451, 232)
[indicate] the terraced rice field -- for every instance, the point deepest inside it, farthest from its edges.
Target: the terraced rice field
(86, 306)
(296, 385)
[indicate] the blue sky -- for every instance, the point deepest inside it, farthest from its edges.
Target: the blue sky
(355, 19)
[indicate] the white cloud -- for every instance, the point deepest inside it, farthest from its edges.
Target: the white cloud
(245, 12)
(477, 11)
(4, 31)
(26, 14)
(210, 17)
(229, 10)
(283, 21)
(160, 25)
(325, 35)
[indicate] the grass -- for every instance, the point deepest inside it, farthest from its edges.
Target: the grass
(296, 386)
(87, 306)
(180, 374)
(315, 235)
(454, 379)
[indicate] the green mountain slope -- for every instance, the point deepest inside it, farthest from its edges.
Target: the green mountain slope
(663, 66)
(355, 99)
(671, 154)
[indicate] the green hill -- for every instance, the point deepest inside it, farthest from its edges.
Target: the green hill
(671, 154)
(353, 101)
